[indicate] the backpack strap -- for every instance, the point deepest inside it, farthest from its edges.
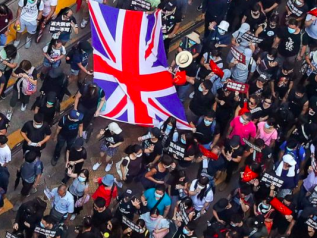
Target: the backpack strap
(213, 127)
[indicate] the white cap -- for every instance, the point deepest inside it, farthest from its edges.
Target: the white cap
(224, 25)
(114, 127)
(289, 159)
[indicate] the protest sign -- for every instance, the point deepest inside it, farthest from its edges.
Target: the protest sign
(251, 38)
(238, 55)
(176, 149)
(271, 179)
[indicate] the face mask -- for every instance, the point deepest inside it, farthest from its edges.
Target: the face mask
(186, 232)
(298, 3)
(183, 141)
(267, 126)
(272, 25)
(166, 167)
(255, 13)
(289, 149)
(169, 127)
(265, 206)
(153, 218)
(291, 30)
(42, 225)
(50, 103)
(200, 88)
(221, 32)
(241, 120)
(158, 195)
(31, 1)
(233, 225)
(200, 187)
(191, 42)
(311, 112)
(207, 123)
(37, 126)
(269, 58)
(81, 179)
(139, 155)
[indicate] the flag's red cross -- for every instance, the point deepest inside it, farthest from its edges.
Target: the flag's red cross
(130, 75)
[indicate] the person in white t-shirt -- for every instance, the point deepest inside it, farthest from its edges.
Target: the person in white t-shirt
(201, 194)
(48, 12)
(85, 20)
(28, 15)
(5, 152)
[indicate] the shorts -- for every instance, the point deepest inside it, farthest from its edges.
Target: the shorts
(108, 150)
(74, 72)
(26, 188)
(48, 64)
(30, 26)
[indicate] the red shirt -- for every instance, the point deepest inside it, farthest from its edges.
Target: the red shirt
(244, 131)
(104, 192)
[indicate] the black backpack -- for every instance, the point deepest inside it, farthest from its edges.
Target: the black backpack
(37, 4)
(70, 54)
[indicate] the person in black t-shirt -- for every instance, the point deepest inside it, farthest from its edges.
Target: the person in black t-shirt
(207, 130)
(185, 231)
(267, 33)
(101, 214)
(311, 87)
(269, 6)
(202, 101)
(89, 100)
(283, 82)
(297, 101)
(288, 42)
(69, 126)
(222, 211)
(49, 106)
(144, 233)
(254, 17)
(152, 147)
(4, 124)
(171, 19)
(75, 158)
(35, 134)
(111, 138)
(47, 224)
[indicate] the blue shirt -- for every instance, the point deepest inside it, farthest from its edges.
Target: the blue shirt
(151, 201)
(63, 204)
(79, 58)
(219, 39)
(299, 154)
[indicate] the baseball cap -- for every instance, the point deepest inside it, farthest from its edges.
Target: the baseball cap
(156, 132)
(79, 142)
(86, 46)
(289, 159)
(75, 115)
(221, 205)
(170, 5)
(114, 127)
(51, 98)
(108, 180)
(234, 141)
(128, 193)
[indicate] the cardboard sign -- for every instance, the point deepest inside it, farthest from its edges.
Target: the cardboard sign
(270, 179)
(183, 213)
(251, 38)
(240, 87)
(238, 55)
(176, 149)
(293, 8)
(312, 223)
(60, 26)
(141, 5)
(43, 231)
(9, 235)
(251, 145)
(130, 224)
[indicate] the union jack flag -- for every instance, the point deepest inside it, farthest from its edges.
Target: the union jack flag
(131, 67)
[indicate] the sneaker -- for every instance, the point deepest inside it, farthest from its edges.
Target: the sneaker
(119, 184)
(16, 206)
(9, 115)
(108, 167)
(16, 43)
(83, 24)
(73, 217)
(2, 97)
(96, 166)
(192, 95)
(28, 43)
(84, 135)
(33, 190)
(200, 7)
(54, 161)
(23, 107)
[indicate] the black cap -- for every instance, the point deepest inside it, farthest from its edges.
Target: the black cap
(170, 5)
(86, 46)
(79, 142)
(221, 205)
(51, 97)
(3, 139)
(128, 193)
(234, 141)
(156, 132)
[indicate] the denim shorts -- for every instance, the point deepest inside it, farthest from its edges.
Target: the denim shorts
(30, 26)
(48, 64)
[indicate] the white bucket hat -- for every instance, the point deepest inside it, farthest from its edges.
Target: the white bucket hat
(224, 25)
(289, 159)
(114, 127)
(184, 59)
(194, 36)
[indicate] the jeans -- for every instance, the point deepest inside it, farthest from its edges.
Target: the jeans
(182, 92)
(7, 75)
(60, 144)
(3, 39)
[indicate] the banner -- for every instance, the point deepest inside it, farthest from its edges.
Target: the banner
(176, 149)
(270, 179)
(60, 26)
(251, 145)
(251, 38)
(240, 87)
(293, 8)
(9, 235)
(130, 224)
(238, 55)
(46, 232)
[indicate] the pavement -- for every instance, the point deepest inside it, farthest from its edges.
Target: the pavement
(53, 175)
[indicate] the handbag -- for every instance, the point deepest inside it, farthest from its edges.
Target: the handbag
(161, 234)
(83, 200)
(118, 167)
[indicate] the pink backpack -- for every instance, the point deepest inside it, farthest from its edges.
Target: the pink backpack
(28, 88)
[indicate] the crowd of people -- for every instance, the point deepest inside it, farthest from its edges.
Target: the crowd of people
(250, 91)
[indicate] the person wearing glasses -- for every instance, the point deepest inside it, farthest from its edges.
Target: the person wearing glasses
(250, 105)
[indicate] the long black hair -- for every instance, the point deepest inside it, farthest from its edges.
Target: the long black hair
(4, 10)
(171, 120)
(132, 149)
(202, 180)
(52, 43)
(64, 11)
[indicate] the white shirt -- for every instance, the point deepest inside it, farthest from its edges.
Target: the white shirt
(199, 204)
(56, 52)
(47, 6)
(5, 155)
(30, 12)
